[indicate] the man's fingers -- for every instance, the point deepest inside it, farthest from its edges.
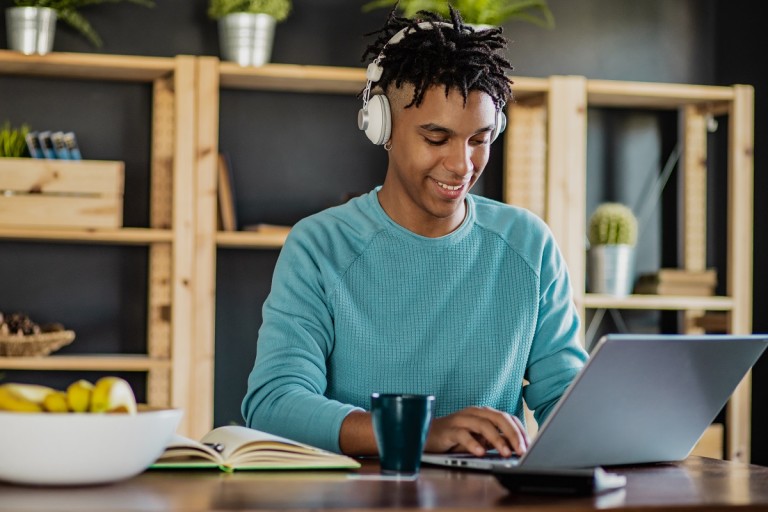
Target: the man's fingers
(476, 429)
(466, 440)
(498, 429)
(514, 432)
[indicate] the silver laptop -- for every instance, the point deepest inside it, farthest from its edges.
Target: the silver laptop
(639, 399)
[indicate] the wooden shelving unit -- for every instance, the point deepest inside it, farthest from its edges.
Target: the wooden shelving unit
(171, 375)
(544, 171)
(547, 174)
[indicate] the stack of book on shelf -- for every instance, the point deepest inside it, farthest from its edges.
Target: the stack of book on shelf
(674, 281)
(712, 322)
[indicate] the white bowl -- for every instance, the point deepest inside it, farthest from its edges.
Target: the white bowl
(81, 449)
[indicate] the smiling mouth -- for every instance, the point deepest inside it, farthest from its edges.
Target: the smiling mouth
(452, 188)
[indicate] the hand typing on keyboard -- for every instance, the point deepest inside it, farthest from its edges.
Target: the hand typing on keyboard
(476, 430)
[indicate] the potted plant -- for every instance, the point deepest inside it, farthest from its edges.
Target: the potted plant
(32, 23)
(247, 28)
(13, 141)
(612, 235)
(476, 12)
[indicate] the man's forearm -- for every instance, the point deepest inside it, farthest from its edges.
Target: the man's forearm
(356, 436)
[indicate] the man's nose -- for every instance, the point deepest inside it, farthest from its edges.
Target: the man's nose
(459, 159)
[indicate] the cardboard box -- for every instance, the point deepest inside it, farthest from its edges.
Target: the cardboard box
(44, 193)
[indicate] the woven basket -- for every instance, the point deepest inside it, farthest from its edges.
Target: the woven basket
(34, 344)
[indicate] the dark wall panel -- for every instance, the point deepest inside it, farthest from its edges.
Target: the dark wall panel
(741, 36)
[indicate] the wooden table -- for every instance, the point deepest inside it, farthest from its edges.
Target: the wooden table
(694, 484)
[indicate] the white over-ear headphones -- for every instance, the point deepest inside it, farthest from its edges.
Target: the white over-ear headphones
(375, 118)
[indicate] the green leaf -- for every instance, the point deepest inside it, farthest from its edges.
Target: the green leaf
(13, 141)
(79, 23)
(490, 12)
(278, 9)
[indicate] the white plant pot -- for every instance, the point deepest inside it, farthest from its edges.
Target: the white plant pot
(30, 29)
(611, 269)
(246, 38)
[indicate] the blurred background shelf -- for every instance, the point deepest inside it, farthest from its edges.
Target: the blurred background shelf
(112, 363)
(163, 88)
(244, 239)
(657, 302)
(123, 236)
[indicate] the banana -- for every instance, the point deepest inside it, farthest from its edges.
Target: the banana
(56, 401)
(113, 394)
(20, 398)
(109, 394)
(32, 392)
(79, 396)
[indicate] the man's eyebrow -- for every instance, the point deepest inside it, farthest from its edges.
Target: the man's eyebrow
(432, 127)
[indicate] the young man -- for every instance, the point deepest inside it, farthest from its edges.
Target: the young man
(419, 286)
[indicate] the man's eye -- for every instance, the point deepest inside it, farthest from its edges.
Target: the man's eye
(480, 142)
(431, 142)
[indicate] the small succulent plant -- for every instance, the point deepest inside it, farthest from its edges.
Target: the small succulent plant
(612, 224)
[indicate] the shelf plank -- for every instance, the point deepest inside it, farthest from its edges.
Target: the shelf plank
(127, 68)
(124, 236)
(106, 363)
(607, 93)
(292, 77)
(657, 302)
(325, 79)
(246, 239)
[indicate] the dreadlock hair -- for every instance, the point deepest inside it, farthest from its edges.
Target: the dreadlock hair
(457, 57)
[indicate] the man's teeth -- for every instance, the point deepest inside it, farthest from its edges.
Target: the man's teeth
(448, 187)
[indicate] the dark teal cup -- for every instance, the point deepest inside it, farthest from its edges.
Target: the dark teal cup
(401, 424)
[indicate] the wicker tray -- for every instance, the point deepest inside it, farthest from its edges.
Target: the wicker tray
(34, 344)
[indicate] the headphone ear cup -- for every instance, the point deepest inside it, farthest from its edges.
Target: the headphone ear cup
(379, 119)
(501, 124)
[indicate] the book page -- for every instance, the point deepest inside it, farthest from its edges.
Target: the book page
(184, 450)
(247, 447)
(234, 438)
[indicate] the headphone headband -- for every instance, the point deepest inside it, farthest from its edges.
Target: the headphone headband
(425, 25)
(374, 70)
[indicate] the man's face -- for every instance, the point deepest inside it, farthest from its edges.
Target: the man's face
(439, 151)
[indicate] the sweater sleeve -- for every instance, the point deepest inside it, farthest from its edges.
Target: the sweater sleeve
(556, 353)
(286, 387)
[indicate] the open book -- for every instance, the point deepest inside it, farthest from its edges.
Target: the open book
(234, 447)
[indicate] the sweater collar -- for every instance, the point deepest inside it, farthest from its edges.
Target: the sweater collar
(393, 227)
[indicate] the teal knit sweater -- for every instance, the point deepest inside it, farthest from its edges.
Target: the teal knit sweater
(359, 305)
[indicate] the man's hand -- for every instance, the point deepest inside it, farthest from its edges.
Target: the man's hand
(476, 429)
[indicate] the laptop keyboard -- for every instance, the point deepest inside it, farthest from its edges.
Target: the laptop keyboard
(496, 456)
(489, 455)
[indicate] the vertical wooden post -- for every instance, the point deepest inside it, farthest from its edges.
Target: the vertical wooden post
(740, 227)
(160, 217)
(693, 240)
(525, 155)
(203, 345)
(184, 183)
(567, 176)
